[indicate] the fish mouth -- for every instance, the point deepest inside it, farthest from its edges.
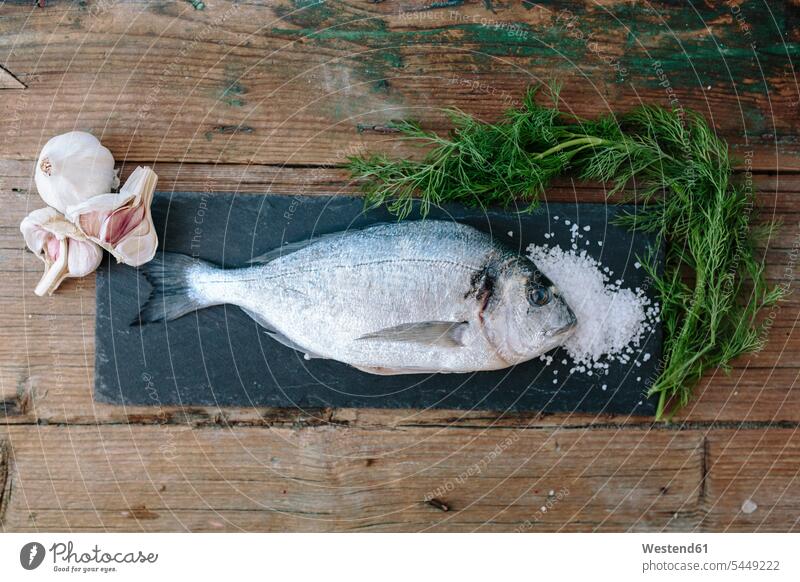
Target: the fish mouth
(573, 321)
(564, 328)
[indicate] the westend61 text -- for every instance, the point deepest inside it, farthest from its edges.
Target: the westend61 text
(670, 549)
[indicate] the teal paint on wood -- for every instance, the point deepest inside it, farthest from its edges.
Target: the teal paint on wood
(677, 49)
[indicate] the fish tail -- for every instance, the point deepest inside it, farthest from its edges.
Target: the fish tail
(174, 294)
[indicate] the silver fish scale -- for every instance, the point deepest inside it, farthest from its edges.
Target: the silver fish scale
(325, 296)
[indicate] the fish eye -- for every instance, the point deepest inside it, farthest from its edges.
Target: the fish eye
(539, 295)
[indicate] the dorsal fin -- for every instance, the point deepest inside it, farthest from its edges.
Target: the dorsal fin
(290, 248)
(282, 251)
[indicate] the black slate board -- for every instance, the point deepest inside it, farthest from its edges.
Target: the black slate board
(220, 357)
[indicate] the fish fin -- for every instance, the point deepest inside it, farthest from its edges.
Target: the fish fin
(278, 336)
(433, 333)
(282, 339)
(281, 251)
(290, 248)
(258, 318)
(172, 295)
(394, 371)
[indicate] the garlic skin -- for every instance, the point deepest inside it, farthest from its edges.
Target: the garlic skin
(73, 167)
(61, 246)
(122, 223)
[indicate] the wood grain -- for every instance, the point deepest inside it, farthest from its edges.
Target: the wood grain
(120, 478)
(761, 466)
(334, 478)
(307, 83)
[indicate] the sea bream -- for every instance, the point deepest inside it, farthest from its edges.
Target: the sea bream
(402, 298)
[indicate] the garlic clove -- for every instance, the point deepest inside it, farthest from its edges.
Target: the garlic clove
(36, 237)
(122, 223)
(83, 257)
(61, 246)
(72, 168)
(56, 270)
(139, 247)
(40, 225)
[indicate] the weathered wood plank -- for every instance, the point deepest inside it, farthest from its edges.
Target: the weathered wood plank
(344, 479)
(47, 347)
(289, 82)
(753, 481)
(44, 396)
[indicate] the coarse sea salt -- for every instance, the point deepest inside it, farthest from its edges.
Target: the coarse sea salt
(612, 321)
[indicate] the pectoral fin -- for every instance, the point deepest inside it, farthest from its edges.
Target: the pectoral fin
(432, 333)
(394, 371)
(278, 336)
(282, 339)
(257, 318)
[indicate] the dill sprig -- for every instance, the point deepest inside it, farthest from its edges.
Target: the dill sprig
(712, 287)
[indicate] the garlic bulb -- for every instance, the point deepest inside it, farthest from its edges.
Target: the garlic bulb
(62, 247)
(72, 168)
(122, 223)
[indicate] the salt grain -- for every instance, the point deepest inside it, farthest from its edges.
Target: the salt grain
(749, 506)
(612, 321)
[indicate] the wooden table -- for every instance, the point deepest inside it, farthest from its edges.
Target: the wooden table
(271, 96)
